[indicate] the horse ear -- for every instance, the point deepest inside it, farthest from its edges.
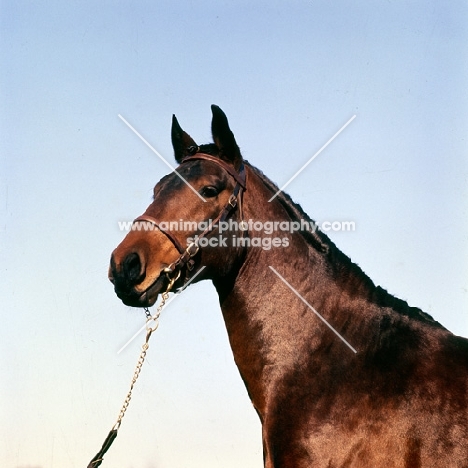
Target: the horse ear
(181, 141)
(224, 138)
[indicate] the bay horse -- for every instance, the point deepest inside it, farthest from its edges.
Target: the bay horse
(393, 392)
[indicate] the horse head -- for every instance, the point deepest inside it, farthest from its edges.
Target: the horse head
(163, 244)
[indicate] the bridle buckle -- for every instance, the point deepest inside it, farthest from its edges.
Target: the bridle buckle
(233, 200)
(192, 249)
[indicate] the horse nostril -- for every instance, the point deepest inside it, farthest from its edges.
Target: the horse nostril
(133, 268)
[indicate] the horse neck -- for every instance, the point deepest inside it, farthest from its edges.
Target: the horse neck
(269, 326)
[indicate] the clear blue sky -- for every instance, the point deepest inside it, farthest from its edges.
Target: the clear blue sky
(288, 75)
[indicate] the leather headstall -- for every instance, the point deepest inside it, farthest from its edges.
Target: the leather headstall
(187, 254)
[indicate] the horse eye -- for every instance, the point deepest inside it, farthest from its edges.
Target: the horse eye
(209, 191)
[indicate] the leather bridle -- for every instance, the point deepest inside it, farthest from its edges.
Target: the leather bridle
(187, 254)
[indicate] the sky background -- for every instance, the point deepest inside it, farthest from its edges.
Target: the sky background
(288, 75)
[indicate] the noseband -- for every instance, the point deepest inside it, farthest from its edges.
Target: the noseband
(187, 255)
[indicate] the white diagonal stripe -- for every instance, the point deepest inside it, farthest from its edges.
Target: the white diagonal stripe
(167, 303)
(312, 158)
(313, 310)
(159, 155)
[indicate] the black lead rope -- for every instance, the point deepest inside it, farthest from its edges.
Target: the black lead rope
(99, 457)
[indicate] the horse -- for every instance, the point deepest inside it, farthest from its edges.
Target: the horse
(340, 372)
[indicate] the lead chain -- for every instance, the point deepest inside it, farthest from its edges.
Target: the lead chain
(152, 323)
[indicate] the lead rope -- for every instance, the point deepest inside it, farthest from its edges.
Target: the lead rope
(152, 323)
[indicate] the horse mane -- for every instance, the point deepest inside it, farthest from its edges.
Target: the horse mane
(341, 264)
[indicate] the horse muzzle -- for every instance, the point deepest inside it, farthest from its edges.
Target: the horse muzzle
(130, 281)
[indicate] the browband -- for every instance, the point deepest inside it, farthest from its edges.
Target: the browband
(238, 176)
